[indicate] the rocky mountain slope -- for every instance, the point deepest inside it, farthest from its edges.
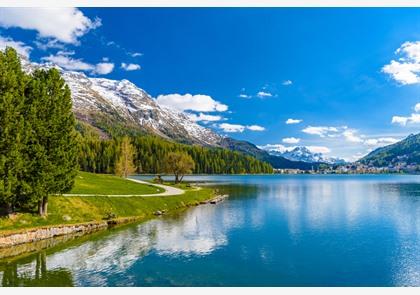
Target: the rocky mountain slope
(301, 153)
(403, 153)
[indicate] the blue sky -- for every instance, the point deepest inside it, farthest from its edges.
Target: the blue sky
(347, 77)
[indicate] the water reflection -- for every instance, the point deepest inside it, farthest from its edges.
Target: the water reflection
(278, 231)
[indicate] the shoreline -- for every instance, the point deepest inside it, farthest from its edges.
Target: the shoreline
(141, 209)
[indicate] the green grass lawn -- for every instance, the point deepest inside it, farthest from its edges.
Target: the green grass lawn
(103, 184)
(84, 209)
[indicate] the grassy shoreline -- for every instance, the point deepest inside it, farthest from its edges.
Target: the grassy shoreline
(75, 210)
(71, 210)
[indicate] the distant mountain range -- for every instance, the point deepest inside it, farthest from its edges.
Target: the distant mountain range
(403, 153)
(303, 154)
(112, 106)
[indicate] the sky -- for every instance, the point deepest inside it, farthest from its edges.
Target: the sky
(338, 81)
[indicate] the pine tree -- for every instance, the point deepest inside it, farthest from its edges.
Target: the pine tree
(12, 131)
(125, 164)
(52, 147)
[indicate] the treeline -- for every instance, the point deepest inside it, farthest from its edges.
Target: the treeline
(38, 146)
(99, 156)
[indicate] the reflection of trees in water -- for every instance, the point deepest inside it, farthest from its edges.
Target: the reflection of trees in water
(39, 276)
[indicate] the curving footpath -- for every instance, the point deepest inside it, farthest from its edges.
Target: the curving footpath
(169, 191)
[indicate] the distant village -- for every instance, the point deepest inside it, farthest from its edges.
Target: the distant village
(355, 168)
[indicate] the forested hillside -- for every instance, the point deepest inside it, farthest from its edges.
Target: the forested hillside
(98, 155)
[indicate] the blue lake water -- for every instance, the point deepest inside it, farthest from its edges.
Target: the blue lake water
(279, 230)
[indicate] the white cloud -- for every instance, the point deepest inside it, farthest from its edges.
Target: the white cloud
(188, 102)
(403, 121)
(291, 140)
(293, 121)
(66, 24)
(64, 60)
(407, 69)
(130, 67)
(136, 54)
(263, 94)
(274, 147)
(20, 47)
(287, 83)
(417, 107)
(104, 68)
(318, 149)
(255, 128)
(231, 128)
(47, 44)
(351, 136)
(204, 117)
(322, 131)
(242, 95)
(380, 141)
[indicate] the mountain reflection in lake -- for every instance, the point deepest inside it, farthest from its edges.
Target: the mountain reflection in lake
(272, 231)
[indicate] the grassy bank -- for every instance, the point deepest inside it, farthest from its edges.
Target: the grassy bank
(73, 210)
(102, 184)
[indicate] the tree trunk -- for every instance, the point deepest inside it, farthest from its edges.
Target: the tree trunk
(176, 178)
(45, 206)
(182, 177)
(40, 208)
(9, 209)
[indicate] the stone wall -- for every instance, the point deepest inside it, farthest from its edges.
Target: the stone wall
(42, 233)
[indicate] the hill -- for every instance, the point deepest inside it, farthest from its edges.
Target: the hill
(403, 153)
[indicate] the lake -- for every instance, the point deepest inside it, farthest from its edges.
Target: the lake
(273, 230)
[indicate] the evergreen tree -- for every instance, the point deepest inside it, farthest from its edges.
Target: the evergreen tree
(12, 131)
(52, 147)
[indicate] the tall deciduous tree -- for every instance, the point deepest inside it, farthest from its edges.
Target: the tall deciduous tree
(179, 164)
(12, 131)
(52, 147)
(125, 163)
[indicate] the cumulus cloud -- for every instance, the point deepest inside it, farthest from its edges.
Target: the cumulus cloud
(233, 128)
(406, 69)
(255, 128)
(104, 68)
(405, 120)
(130, 67)
(189, 102)
(263, 94)
(322, 131)
(66, 24)
(291, 140)
(351, 136)
(20, 47)
(293, 121)
(65, 60)
(204, 117)
(287, 83)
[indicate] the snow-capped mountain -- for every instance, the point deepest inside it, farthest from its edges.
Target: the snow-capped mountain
(303, 154)
(97, 99)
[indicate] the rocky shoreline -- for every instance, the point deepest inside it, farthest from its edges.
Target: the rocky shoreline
(13, 239)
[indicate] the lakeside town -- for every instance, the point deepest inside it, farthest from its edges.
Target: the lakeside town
(356, 168)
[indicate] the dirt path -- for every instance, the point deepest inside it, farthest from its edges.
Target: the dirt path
(169, 191)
